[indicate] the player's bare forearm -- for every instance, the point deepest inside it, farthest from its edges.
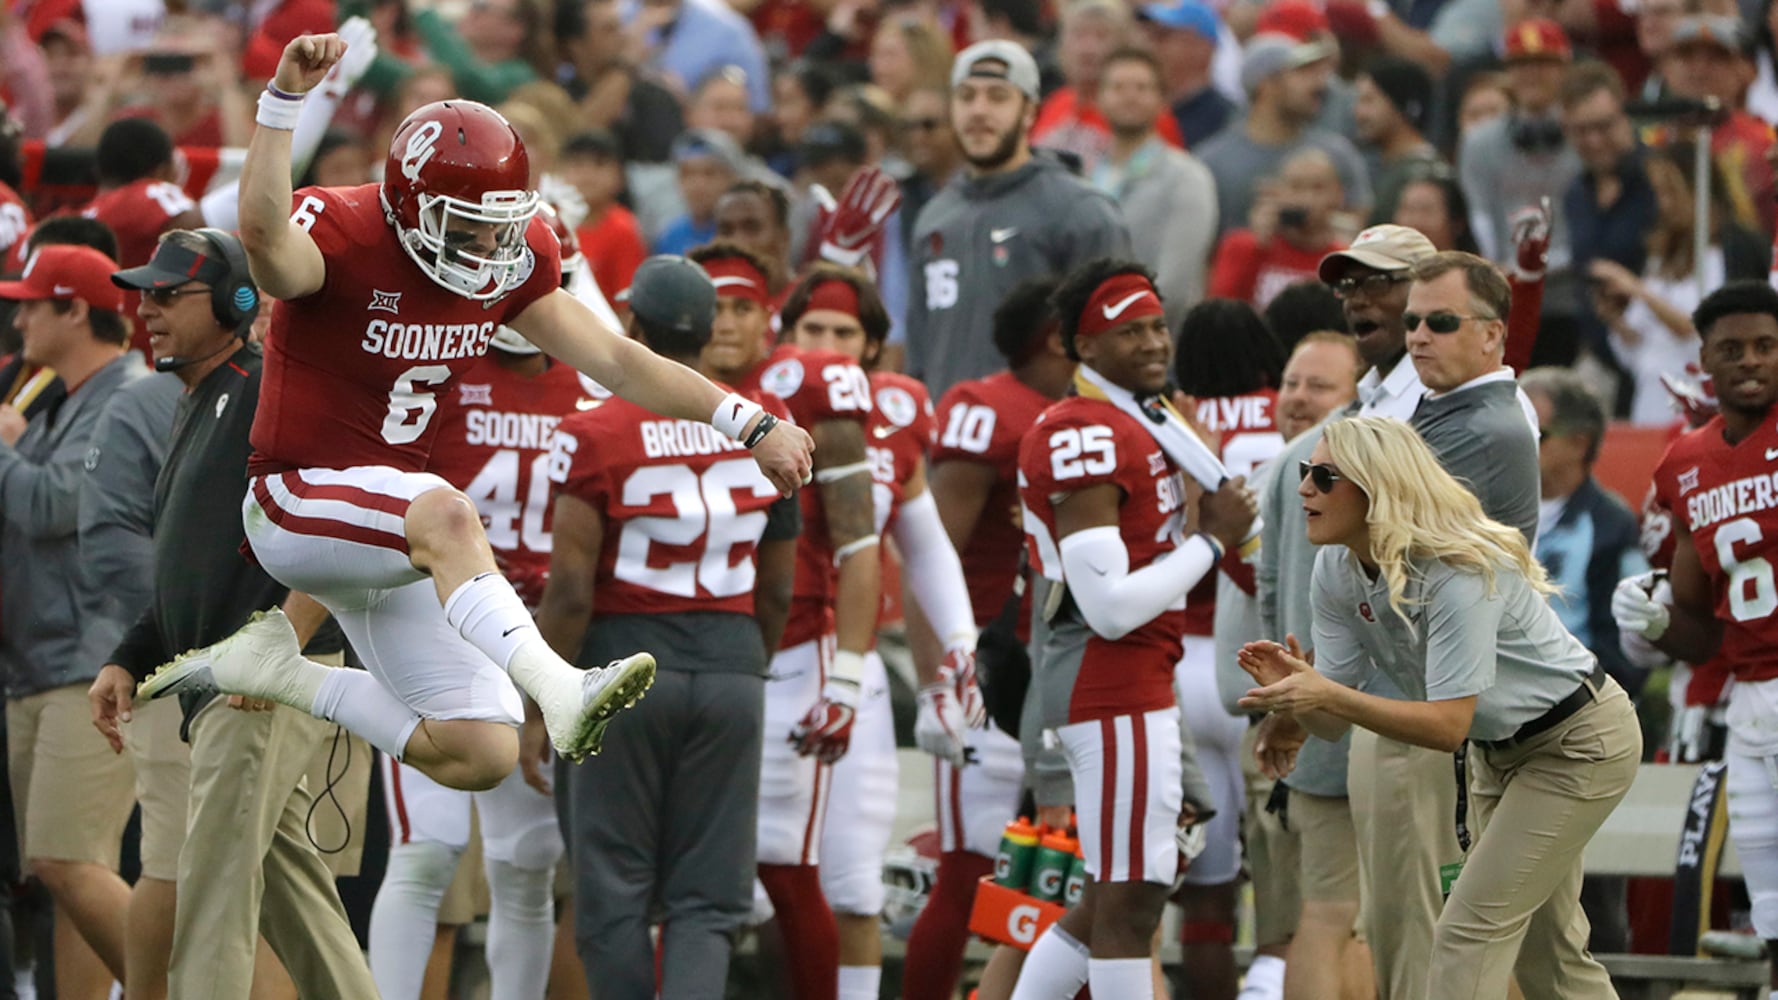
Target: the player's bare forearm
(960, 489)
(285, 262)
(776, 562)
(1690, 637)
(577, 539)
(923, 643)
(850, 510)
(858, 597)
(566, 329)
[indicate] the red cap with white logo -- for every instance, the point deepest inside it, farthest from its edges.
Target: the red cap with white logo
(64, 271)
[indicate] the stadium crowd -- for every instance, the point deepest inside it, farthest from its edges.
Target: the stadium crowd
(1177, 420)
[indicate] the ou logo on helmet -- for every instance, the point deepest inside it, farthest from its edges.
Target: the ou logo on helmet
(420, 147)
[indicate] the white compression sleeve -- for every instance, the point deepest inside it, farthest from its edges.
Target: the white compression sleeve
(933, 571)
(1116, 601)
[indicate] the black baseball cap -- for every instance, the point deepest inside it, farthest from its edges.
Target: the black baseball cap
(673, 293)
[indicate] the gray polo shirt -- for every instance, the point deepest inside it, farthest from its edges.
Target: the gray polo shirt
(1483, 437)
(1504, 646)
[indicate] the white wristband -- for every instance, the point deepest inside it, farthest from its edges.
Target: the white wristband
(278, 112)
(847, 667)
(733, 415)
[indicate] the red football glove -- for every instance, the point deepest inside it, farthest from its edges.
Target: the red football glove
(958, 673)
(853, 227)
(825, 733)
(1695, 392)
(1530, 228)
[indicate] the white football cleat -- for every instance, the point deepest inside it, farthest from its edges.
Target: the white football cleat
(583, 702)
(261, 659)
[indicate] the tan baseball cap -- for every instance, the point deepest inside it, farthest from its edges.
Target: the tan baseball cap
(1385, 248)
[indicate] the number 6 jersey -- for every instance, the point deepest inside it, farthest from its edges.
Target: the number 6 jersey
(1727, 496)
(353, 371)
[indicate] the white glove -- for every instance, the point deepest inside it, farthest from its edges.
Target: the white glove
(1687, 745)
(361, 49)
(565, 197)
(1634, 606)
(938, 729)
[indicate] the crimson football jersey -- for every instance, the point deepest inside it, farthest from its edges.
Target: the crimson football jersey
(1082, 442)
(816, 386)
(1245, 431)
(1728, 497)
(684, 508)
(981, 421)
(353, 371)
(897, 436)
(138, 213)
(495, 429)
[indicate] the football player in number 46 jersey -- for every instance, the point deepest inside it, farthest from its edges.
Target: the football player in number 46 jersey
(1721, 484)
(838, 309)
(387, 294)
(1104, 505)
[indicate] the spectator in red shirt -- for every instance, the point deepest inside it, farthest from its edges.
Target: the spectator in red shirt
(609, 236)
(1288, 232)
(1069, 118)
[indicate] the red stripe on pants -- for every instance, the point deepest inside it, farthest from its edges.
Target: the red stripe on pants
(1108, 796)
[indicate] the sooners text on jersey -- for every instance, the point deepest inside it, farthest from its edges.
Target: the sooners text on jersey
(353, 372)
(981, 421)
(495, 430)
(684, 507)
(1082, 442)
(817, 386)
(1728, 497)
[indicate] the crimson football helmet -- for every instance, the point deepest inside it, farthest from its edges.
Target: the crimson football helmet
(461, 162)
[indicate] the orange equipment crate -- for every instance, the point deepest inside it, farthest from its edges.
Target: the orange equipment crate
(1008, 917)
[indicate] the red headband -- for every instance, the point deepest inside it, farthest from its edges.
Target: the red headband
(1117, 301)
(833, 294)
(736, 278)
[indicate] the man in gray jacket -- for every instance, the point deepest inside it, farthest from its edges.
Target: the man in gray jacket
(68, 314)
(1009, 217)
(1167, 195)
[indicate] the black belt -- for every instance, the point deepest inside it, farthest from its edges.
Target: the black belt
(1558, 713)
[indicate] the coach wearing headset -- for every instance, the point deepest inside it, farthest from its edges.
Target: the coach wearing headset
(247, 841)
(1416, 583)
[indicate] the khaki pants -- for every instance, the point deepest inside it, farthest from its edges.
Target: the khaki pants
(249, 866)
(1404, 804)
(1330, 847)
(1518, 902)
(1272, 853)
(162, 763)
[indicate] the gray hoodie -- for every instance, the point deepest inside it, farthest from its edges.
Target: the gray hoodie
(976, 240)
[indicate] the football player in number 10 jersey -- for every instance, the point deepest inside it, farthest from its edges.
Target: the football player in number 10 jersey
(833, 609)
(387, 294)
(973, 480)
(838, 309)
(1719, 483)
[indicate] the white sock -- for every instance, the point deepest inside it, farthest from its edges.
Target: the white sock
(521, 930)
(860, 982)
(1055, 969)
(1264, 980)
(488, 612)
(404, 919)
(1124, 978)
(363, 706)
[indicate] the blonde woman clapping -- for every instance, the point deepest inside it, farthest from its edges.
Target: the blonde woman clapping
(1414, 581)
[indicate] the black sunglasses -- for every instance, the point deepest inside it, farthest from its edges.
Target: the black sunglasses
(920, 124)
(1374, 284)
(164, 297)
(1322, 476)
(1439, 322)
